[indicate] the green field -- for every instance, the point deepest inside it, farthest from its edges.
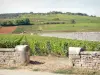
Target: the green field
(62, 17)
(47, 23)
(60, 27)
(46, 45)
(53, 22)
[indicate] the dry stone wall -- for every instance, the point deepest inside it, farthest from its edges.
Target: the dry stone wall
(86, 59)
(13, 57)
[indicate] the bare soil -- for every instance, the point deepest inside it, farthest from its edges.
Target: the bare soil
(6, 30)
(47, 63)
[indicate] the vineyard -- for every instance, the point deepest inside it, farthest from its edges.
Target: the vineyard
(46, 45)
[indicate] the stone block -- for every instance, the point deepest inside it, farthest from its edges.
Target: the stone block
(15, 56)
(74, 50)
(87, 59)
(77, 65)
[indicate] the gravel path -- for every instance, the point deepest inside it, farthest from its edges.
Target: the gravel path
(24, 72)
(90, 36)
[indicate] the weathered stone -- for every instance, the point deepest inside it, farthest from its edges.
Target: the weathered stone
(74, 50)
(14, 57)
(85, 59)
(7, 49)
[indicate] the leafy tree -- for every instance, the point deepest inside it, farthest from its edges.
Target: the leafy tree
(69, 13)
(9, 23)
(16, 22)
(20, 22)
(27, 21)
(31, 12)
(73, 21)
(23, 22)
(4, 23)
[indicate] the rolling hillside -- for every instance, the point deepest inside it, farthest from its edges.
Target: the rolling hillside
(58, 23)
(47, 23)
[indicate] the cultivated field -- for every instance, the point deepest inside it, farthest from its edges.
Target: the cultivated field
(53, 22)
(46, 45)
(79, 27)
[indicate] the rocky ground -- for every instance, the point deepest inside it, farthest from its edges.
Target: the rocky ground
(90, 36)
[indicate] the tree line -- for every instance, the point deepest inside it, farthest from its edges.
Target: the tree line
(9, 15)
(15, 22)
(15, 15)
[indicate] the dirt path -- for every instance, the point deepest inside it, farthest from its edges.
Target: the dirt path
(47, 63)
(24, 72)
(39, 65)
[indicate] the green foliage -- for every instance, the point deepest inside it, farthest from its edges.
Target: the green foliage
(54, 22)
(46, 45)
(73, 21)
(78, 27)
(23, 22)
(6, 23)
(56, 19)
(97, 47)
(11, 41)
(3, 23)
(15, 22)
(10, 23)
(19, 30)
(16, 15)
(9, 15)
